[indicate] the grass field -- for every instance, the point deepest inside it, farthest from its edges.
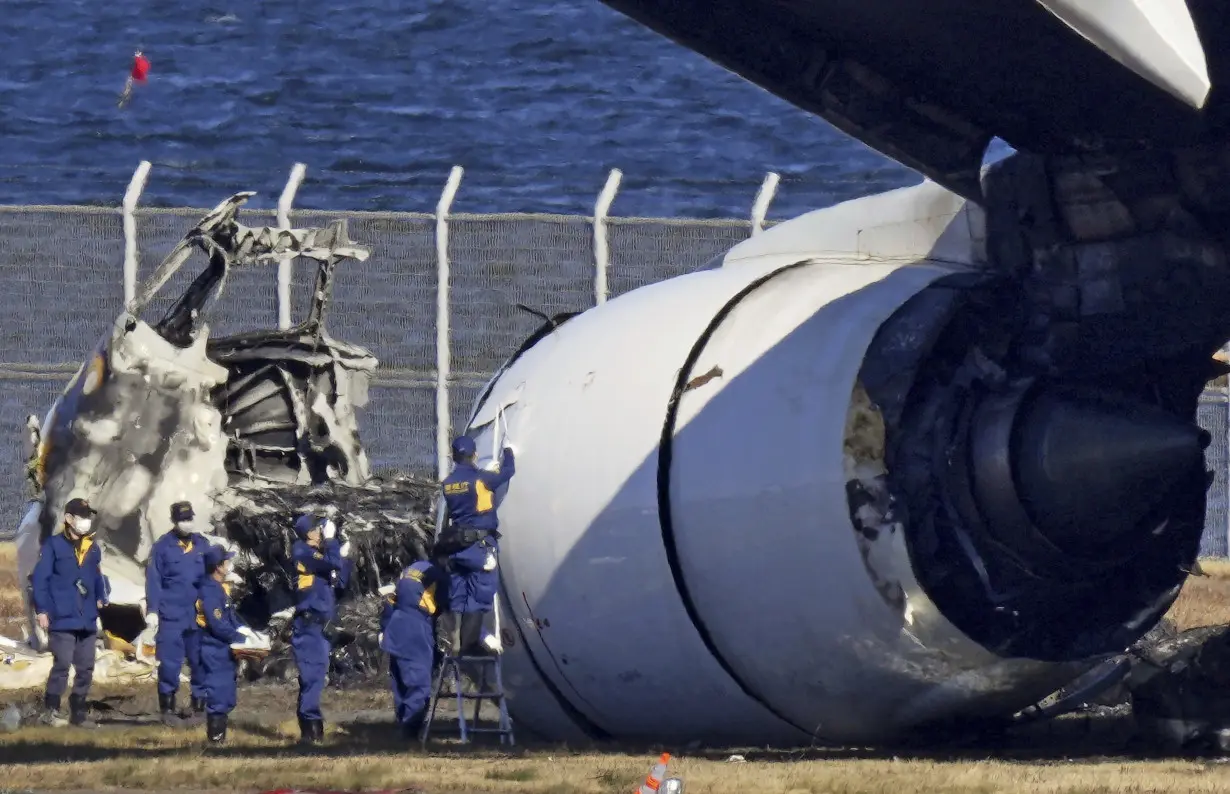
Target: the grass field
(364, 753)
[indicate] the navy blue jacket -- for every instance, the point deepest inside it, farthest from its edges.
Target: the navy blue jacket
(469, 493)
(55, 580)
(215, 612)
(173, 576)
(409, 610)
(316, 582)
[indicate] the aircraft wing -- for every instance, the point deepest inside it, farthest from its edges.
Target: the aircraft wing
(930, 83)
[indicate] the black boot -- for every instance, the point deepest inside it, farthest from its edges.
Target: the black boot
(448, 629)
(471, 634)
(195, 713)
(414, 727)
(166, 710)
(215, 728)
(79, 712)
(51, 712)
(311, 731)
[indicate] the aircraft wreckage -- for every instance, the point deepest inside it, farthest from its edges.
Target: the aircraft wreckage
(256, 427)
(251, 428)
(915, 460)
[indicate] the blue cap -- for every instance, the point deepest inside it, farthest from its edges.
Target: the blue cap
(182, 511)
(305, 524)
(214, 556)
(463, 447)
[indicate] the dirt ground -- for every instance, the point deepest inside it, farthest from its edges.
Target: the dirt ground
(363, 751)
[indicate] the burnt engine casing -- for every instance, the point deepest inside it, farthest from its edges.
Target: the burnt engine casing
(903, 462)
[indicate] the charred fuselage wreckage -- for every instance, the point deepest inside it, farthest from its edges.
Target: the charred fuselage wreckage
(251, 429)
(918, 459)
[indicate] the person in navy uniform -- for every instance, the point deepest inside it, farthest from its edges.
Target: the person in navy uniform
(468, 545)
(407, 637)
(321, 571)
(69, 589)
(221, 632)
(173, 576)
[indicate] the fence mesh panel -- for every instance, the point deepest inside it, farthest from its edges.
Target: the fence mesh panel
(62, 280)
(1213, 416)
(495, 263)
(646, 250)
(62, 271)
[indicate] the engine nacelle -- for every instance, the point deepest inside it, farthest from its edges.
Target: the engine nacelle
(703, 539)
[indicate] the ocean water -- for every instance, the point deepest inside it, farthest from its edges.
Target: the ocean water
(537, 100)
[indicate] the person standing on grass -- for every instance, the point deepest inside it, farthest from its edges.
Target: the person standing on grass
(321, 572)
(69, 589)
(173, 576)
(223, 634)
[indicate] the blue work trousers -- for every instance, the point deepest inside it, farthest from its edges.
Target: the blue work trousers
(71, 649)
(411, 682)
(175, 642)
(220, 671)
(311, 651)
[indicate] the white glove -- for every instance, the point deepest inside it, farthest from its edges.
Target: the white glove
(345, 550)
(380, 638)
(489, 564)
(151, 621)
(251, 639)
(98, 625)
(387, 590)
(330, 530)
(492, 643)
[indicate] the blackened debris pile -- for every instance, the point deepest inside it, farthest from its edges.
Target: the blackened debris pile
(389, 522)
(1180, 690)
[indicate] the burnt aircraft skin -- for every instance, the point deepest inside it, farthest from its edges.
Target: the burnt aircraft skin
(240, 425)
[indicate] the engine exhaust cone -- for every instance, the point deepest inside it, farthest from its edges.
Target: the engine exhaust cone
(1090, 469)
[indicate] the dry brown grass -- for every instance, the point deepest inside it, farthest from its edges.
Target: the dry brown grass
(11, 604)
(367, 756)
(1205, 600)
(155, 759)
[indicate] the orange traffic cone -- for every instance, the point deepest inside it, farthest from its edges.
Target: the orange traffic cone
(656, 775)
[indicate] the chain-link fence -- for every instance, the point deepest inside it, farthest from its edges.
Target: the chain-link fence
(62, 274)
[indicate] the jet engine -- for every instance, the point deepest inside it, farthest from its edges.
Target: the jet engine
(843, 483)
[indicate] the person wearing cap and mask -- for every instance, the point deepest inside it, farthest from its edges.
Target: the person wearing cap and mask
(222, 633)
(321, 571)
(468, 546)
(173, 576)
(406, 636)
(69, 589)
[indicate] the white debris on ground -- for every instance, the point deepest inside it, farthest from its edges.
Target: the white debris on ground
(21, 667)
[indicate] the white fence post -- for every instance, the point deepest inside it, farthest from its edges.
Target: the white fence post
(602, 247)
(285, 267)
(443, 347)
(768, 189)
(131, 196)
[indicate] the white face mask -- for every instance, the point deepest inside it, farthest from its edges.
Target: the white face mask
(184, 527)
(83, 526)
